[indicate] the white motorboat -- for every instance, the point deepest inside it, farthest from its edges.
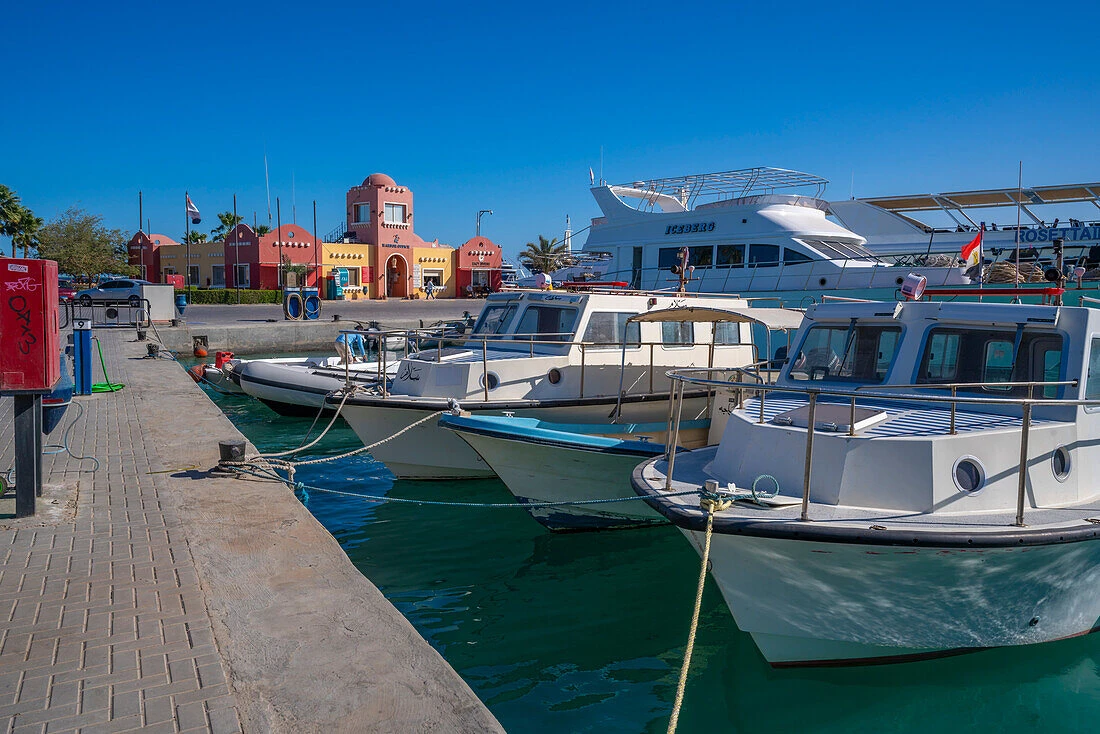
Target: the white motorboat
(548, 465)
(297, 386)
(919, 481)
(741, 232)
(524, 356)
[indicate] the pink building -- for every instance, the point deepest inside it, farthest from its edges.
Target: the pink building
(380, 213)
(144, 252)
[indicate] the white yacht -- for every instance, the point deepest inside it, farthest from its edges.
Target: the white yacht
(548, 355)
(753, 231)
(912, 224)
(921, 480)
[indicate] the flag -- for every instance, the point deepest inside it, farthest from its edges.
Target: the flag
(591, 176)
(972, 252)
(193, 211)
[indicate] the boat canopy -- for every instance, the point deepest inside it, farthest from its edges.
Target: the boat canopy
(774, 319)
(1070, 193)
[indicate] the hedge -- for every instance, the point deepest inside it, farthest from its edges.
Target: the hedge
(229, 295)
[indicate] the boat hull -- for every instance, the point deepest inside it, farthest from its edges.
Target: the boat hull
(431, 452)
(542, 472)
(811, 603)
(294, 389)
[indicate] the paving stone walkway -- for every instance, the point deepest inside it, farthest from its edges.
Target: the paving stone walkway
(103, 624)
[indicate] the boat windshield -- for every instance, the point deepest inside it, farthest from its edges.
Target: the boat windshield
(839, 250)
(547, 323)
(494, 319)
(847, 353)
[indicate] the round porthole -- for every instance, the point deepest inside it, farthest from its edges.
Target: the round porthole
(899, 280)
(969, 474)
(1061, 463)
(492, 379)
(554, 375)
(822, 282)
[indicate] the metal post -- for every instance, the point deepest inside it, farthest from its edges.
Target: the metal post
(763, 390)
(582, 370)
(382, 357)
(651, 367)
(809, 458)
(279, 234)
(28, 453)
(485, 367)
(1022, 488)
(954, 392)
(852, 418)
(675, 437)
(236, 247)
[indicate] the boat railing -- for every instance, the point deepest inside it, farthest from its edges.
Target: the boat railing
(709, 378)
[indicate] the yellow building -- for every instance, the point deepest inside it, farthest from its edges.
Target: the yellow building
(207, 263)
(433, 263)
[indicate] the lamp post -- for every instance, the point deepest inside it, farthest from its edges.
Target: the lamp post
(483, 211)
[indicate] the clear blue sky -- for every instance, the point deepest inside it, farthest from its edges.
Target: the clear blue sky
(506, 107)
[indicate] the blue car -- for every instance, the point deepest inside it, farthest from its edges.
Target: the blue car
(122, 290)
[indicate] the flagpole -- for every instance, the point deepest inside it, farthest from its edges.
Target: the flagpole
(187, 241)
(236, 281)
(279, 234)
(1019, 199)
(316, 257)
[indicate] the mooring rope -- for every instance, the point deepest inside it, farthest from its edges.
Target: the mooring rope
(331, 423)
(712, 503)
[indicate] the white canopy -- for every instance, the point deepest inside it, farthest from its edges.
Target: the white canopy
(775, 319)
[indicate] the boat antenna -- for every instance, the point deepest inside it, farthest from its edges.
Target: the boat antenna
(852, 191)
(1019, 203)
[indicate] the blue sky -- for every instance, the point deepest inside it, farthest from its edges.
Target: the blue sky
(506, 106)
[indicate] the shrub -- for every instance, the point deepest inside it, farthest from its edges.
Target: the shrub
(229, 295)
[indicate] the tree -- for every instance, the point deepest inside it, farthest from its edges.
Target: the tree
(545, 257)
(261, 230)
(82, 246)
(195, 238)
(228, 222)
(10, 212)
(28, 229)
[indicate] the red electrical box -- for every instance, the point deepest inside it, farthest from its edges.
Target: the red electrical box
(176, 280)
(30, 342)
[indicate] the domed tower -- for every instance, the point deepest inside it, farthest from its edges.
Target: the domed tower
(380, 213)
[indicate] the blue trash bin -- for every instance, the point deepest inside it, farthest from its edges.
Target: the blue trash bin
(293, 306)
(311, 304)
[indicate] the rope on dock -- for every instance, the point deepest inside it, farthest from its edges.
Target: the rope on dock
(712, 504)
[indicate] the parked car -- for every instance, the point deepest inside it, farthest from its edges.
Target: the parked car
(123, 289)
(65, 289)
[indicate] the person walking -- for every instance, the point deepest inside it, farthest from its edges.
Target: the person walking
(429, 290)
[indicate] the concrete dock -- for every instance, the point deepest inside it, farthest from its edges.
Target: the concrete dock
(150, 595)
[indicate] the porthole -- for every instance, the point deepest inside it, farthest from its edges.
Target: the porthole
(822, 282)
(1061, 463)
(899, 280)
(554, 376)
(969, 474)
(492, 379)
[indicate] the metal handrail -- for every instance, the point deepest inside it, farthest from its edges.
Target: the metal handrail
(688, 376)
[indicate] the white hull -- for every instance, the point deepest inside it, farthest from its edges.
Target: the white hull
(546, 473)
(431, 452)
(297, 388)
(814, 603)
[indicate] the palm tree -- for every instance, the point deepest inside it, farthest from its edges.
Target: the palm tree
(10, 213)
(545, 257)
(195, 238)
(228, 221)
(262, 229)
(28, 227)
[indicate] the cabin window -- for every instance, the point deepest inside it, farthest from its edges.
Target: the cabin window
(1092, 383)
(607, 330)
(790, 256)
(667, 257)
(763, 256)
(850, 353)
(989, 357)
(701, 257)
(677, 333)
(731, 256)
(494, 318)
(547, 323)
(727, 333)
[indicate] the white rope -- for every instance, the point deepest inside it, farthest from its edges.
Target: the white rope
(339, 408)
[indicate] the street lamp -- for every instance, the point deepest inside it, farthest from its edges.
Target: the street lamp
(483, 211)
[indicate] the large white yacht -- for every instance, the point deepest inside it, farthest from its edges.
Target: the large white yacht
(753, 231)
(548, 355)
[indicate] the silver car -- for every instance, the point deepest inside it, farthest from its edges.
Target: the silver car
(116, 291)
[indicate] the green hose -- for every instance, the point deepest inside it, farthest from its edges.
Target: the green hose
(107, 386)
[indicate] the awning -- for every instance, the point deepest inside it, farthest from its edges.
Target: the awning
(775, 319)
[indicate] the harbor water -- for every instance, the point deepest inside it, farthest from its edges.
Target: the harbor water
(585, 632)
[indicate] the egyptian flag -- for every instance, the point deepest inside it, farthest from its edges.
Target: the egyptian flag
(192, 210)
(972, 252)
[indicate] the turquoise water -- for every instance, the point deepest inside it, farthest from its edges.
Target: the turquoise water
(585, 632)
